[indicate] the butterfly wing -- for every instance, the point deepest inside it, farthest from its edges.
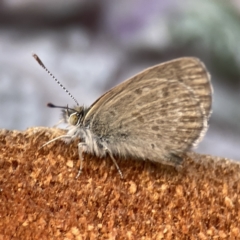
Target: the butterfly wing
(188, 70)
(153, 115)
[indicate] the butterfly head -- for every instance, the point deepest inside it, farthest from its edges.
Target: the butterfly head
(73, 116)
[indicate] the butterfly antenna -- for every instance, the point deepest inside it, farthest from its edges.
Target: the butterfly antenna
(43, 66)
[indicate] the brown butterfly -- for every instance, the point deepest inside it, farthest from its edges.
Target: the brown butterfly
(156, 115)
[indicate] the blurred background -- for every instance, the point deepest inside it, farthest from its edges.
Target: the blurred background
(90, 46)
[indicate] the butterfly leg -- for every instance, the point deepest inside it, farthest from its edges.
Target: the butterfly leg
(114, 161)
(82, 148)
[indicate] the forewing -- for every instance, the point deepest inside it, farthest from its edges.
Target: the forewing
(188, 70)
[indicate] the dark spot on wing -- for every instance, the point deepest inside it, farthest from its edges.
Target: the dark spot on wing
(135, 114)
(163, 112)
(160, 121)
(165, 93)
(113, 113)
(155, 128)
(124, 135)
(138, 91)
(140, 119)
(165, 105)
(159, 135)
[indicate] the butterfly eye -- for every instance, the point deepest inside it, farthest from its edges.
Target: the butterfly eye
(74, 119)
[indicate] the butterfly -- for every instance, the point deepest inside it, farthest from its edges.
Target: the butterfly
(156, 115)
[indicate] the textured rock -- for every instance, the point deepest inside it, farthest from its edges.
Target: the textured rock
(41, 199)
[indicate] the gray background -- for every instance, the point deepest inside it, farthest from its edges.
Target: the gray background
(90, 46)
